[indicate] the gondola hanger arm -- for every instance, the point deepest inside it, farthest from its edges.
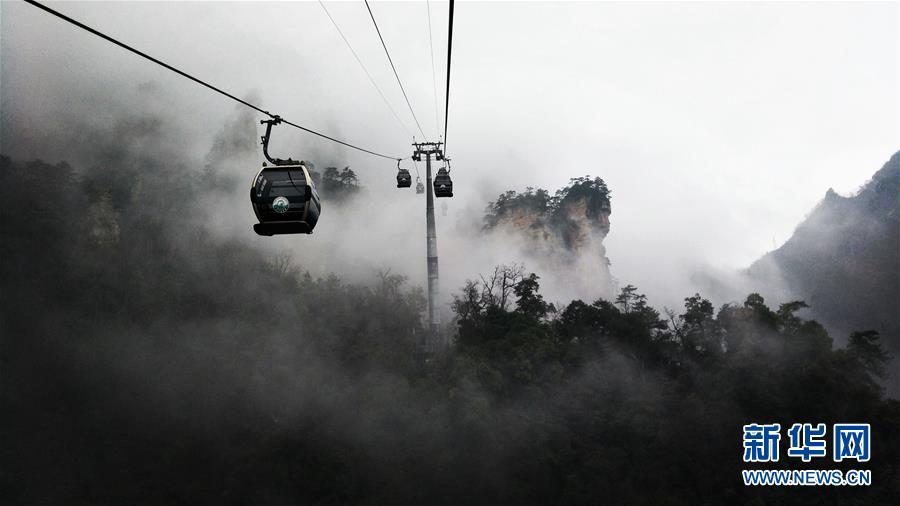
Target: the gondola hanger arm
(265, 142)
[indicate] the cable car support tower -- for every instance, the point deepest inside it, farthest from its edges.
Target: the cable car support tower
(433, 341)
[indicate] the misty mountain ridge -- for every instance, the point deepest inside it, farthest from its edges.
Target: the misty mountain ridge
(843, 258)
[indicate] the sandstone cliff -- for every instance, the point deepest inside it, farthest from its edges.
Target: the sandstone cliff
(560, 236)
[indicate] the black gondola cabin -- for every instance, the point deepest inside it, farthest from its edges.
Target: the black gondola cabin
(443, 186)
(404, 178)
(285, 200)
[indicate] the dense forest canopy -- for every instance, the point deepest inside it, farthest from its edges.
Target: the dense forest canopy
(336, 184)
(147, 361)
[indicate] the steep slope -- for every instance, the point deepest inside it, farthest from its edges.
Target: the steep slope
(844, 259)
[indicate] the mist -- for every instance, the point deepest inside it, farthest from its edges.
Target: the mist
(156, 350)
(713, 151)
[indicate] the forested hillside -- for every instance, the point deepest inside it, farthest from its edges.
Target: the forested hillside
(147, 362)
(843, 260)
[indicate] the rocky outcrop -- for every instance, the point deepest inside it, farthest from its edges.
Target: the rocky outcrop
(560, 236)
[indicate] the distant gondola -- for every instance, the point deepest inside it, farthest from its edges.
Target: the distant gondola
(404, 178)
(443, 186)
(283, 195)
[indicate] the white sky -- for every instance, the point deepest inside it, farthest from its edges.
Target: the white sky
(717, 125)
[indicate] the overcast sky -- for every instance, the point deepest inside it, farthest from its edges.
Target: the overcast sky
(717, 126)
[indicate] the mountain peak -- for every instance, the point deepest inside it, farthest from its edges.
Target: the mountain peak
(842, 259)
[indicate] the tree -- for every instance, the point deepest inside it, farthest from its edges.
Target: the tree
(788, 322)
(348, 178)
(701, 335)
(339, 185)
(500, 285)
(530, 302)
(469, 303)
(865, 346)
(626, 298)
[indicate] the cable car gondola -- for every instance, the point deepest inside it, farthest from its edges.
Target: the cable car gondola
(420, 187)
(443, 186)
(283, 195)
(404, 178)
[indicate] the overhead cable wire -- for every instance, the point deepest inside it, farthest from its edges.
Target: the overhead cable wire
(391, 61)
(437, 121)
(447, 92)
(198, 81)
(371, 79)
